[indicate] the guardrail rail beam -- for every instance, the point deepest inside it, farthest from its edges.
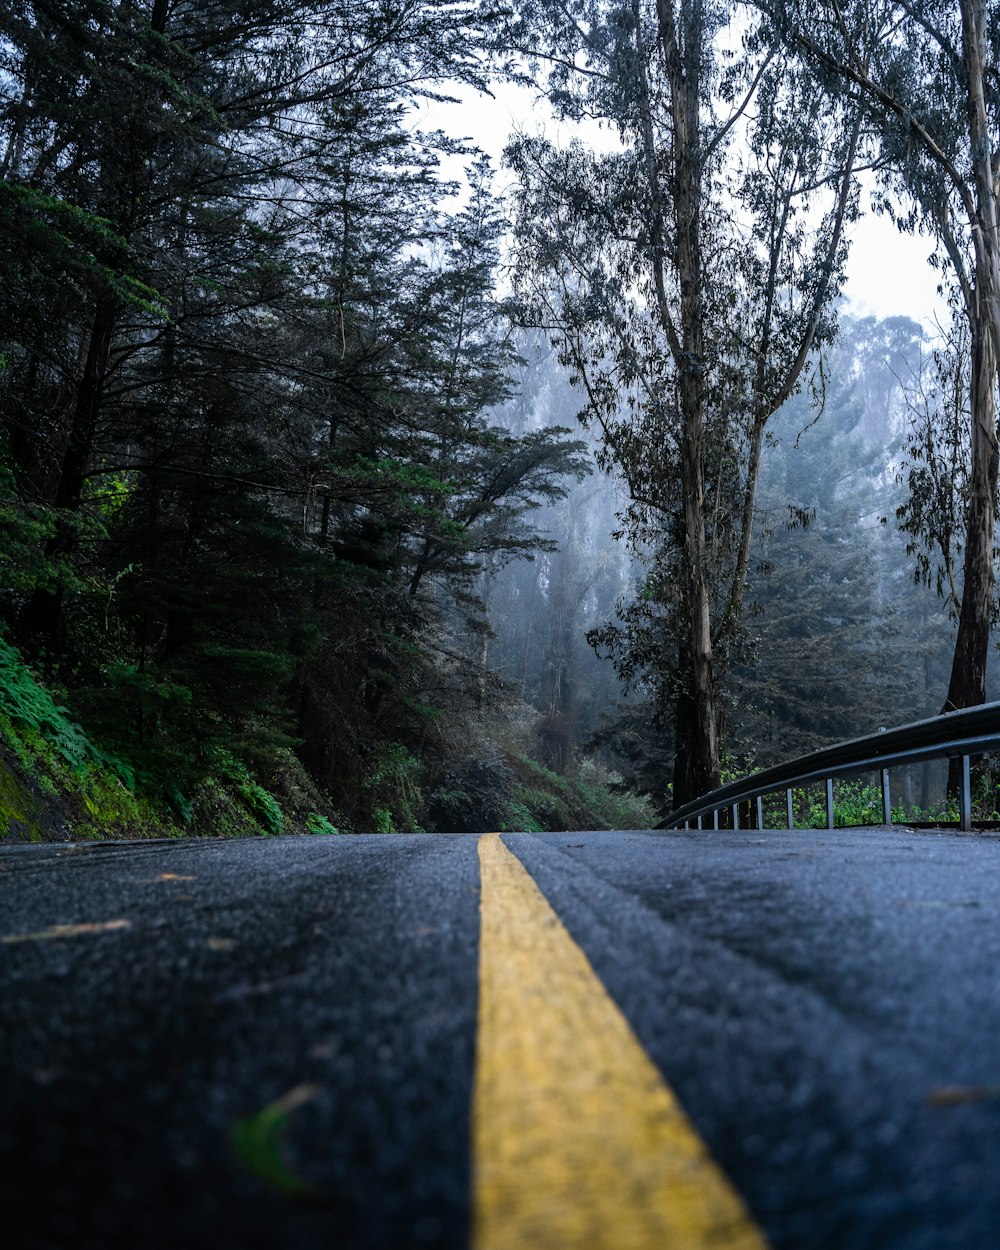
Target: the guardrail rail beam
(965, 734)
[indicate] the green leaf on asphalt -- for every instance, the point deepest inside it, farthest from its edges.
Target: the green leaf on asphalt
(259, 1140)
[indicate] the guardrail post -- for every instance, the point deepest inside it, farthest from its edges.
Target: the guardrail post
(965, 797)
(829, 802)
(788, 808)
(699, 824)
(760, 812)
(886, 799)
(715, 818)
(736, 816)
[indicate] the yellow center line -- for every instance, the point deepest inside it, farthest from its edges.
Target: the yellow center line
(578, 1143)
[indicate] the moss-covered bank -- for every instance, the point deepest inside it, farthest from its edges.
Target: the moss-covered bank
(58, 783)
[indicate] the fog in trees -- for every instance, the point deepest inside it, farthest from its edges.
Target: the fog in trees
(350, 482)
(845, 628)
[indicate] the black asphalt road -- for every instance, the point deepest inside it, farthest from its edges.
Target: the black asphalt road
(825, 1005)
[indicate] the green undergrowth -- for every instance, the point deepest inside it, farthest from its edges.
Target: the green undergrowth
(587, 796)
(492, 780)
(51, 763)
(57, 782)
(60, 781)
(859, 803)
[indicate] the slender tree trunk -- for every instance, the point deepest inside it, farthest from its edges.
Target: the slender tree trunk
(967, 686)
(530, 634)
(702, 770)
(683, 787)
(768, 402)
(700, 733)
(484, 650)
(41, 617)
(558, 729)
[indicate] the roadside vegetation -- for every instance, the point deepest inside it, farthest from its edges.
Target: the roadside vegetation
(859, 803)
(57, 783)
(347, 486)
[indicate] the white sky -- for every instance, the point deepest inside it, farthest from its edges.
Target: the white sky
(888, 273)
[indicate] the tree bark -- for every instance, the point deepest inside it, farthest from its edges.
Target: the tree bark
(967, 686)
(697, 736)
(42, 614)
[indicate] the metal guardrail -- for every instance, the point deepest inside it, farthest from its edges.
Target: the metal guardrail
(966, 734)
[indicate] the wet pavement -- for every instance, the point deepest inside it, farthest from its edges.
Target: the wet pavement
(271, 1043)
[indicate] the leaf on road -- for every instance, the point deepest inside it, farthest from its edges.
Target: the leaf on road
(956, 1095)
(167, 876)
(259, 1140)
(220, 944)
(65, 931)
(251, 989)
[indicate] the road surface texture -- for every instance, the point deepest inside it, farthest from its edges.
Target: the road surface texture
(666, 1041)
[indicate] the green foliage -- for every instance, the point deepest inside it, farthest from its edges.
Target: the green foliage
(31, 716)
(65, 239)
(24, 531)
(521, 819)
(58, 756)
(260, 803)
(383, 820)
(248, 471)
(615, 806)
(316, 823)
(109, 496)
(855, 803)
(588, 796)
(395, 787)
(106, 795)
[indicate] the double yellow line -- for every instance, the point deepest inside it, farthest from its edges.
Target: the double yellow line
(578, 1143)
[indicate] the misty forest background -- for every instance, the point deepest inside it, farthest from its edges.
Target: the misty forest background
(349, 483)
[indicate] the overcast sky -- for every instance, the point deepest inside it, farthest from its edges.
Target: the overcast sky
(888, 273)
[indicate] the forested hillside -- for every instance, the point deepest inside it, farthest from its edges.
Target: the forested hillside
(251, 467)
(345, 487)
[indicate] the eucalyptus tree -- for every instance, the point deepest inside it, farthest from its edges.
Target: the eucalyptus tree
(837, 585)
(925, 73)
(687, 271)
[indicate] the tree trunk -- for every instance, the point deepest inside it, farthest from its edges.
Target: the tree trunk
(484, 650)
(967, 686)
(697, 736)
(42, 614)
(691, 777)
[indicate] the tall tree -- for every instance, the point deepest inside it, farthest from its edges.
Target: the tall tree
(925, 73)
(248, 352)
(848, 642)
(686, 329)
(135, 136)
